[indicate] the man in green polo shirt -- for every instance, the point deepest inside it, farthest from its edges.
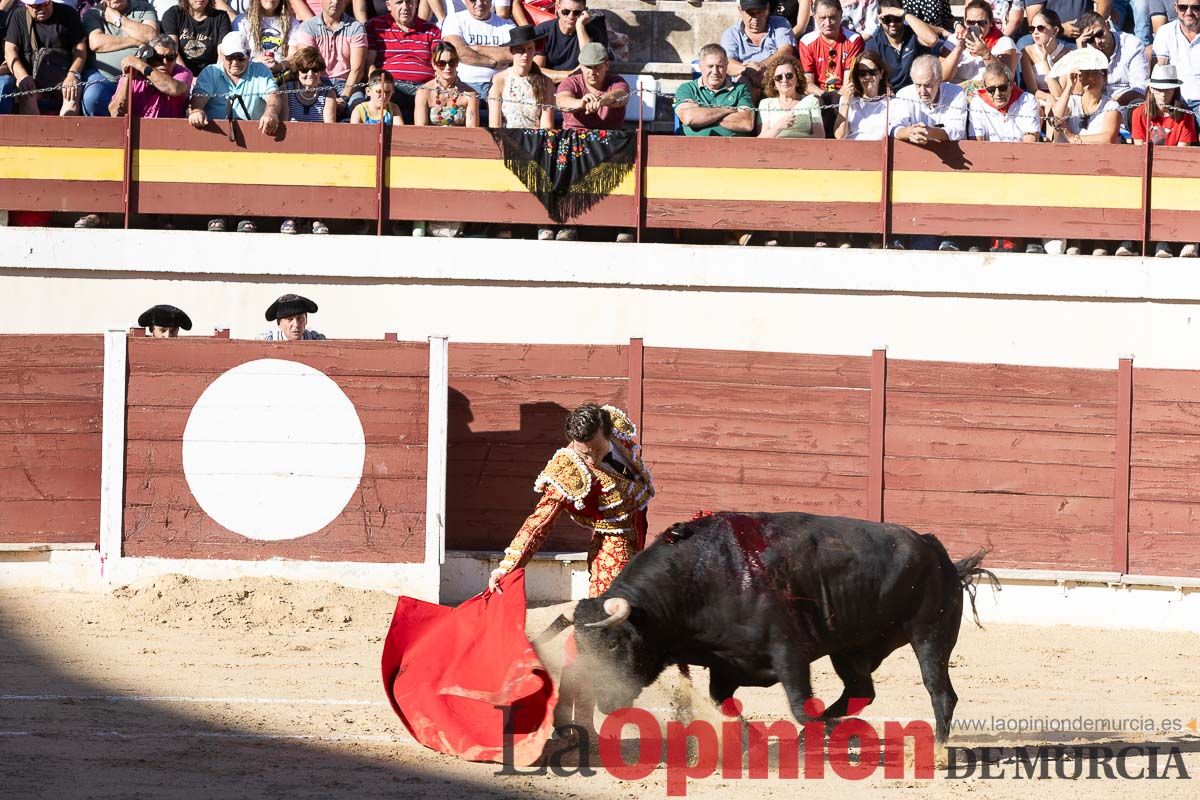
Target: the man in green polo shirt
(712, 105)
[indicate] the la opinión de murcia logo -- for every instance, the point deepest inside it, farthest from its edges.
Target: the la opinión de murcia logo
(849, 748)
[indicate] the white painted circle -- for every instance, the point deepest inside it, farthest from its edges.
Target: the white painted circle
(273, 450)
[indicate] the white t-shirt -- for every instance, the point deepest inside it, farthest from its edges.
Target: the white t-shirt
(949, 112)
(970, 66)
(271, 29)
(1078, 122)
(990, 125)
(868, 119)
(491, 32)
(454, 6)
(1171, 43)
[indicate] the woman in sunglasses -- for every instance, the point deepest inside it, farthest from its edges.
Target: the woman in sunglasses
(309, 92)
(979, 44)
(1040, 57)
(1085, 113)
(862, 113)
(788, 111)
(446, 101)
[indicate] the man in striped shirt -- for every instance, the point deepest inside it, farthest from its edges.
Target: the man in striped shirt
(403, 43)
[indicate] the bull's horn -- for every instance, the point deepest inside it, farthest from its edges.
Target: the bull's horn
(618, 610)
(553, 629)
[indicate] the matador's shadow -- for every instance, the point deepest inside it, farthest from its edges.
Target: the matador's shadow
(490, 477)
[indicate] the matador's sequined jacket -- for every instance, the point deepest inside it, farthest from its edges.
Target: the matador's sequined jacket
(591, 494)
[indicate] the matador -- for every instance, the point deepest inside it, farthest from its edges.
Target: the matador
(599, 480)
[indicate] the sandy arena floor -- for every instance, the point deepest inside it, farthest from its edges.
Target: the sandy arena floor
(267, 688)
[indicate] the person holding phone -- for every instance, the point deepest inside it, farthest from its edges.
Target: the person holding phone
(981, 43)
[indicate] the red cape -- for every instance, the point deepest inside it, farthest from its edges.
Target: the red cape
(446, 670)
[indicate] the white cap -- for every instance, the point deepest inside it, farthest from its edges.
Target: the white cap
(233, 42)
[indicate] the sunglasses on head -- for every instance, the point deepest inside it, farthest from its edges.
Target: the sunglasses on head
(998, 88)
(890, 19)
(1183, 8)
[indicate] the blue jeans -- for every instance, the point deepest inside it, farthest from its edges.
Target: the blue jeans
(356, 97)
(7, 86)
(98, 93)
(1141, 20)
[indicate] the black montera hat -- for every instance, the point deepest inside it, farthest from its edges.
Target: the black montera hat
(165, 317)
(289, 305)
(523, 34)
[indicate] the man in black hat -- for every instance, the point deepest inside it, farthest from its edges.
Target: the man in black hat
(290, 315)
(164, 322)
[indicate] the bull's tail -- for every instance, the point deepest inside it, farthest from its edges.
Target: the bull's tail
(969, 570)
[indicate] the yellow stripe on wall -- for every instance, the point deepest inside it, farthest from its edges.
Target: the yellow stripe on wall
(764, 185)
(466, 174)
(61, 163)
(1174, 194)
(270, 169)
(1017, 189)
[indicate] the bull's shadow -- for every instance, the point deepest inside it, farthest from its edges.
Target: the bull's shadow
(490, 475)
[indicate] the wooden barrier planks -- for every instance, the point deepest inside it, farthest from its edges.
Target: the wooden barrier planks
(306, 170)
(995, 189)
(50, 398)
(1019, 459)
(384, 520)
(62, 164)
(1164, 508)
(729, 430)
(458, 175)
(763, 184)
(508, 407)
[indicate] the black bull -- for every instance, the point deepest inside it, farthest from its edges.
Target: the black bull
(756, 598)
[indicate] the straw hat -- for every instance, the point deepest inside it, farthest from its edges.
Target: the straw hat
(1081, 60)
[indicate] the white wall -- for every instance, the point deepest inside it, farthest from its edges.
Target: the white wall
(1040, 310)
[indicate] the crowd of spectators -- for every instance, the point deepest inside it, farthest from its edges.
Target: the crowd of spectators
(1069, 71)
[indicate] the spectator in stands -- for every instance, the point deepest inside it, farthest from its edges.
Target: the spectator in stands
(929, 110)
(981, 44)
(164, 322)
(1174, 43)
(712, 105)
(1009, 16)
(403, 44)
(522, 97)
(1165, 121)
(115, 29)
(826, 54)
(342, 42)
(861, 16)
(161, 84)
(197, 27)
(444, 9)
(379, 108)
(788, 111)
(593, 99)
(1000, 112)
(574, 26)
(290, 315)
(53, 27)
(310, 94)
(900, 39)
(1086, 112)
(446, 101)
(480, 38)
(863, 110)
(1128, 71)
(236, 88)
(750, 42)
(267, 26)
(1039, 58)
(1068, 11)
(310, 98)
(1161, 12)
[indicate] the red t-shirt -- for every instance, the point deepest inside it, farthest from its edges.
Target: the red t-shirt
(829, 62)
(607, 118)
(405, 54)
(1165, 129)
